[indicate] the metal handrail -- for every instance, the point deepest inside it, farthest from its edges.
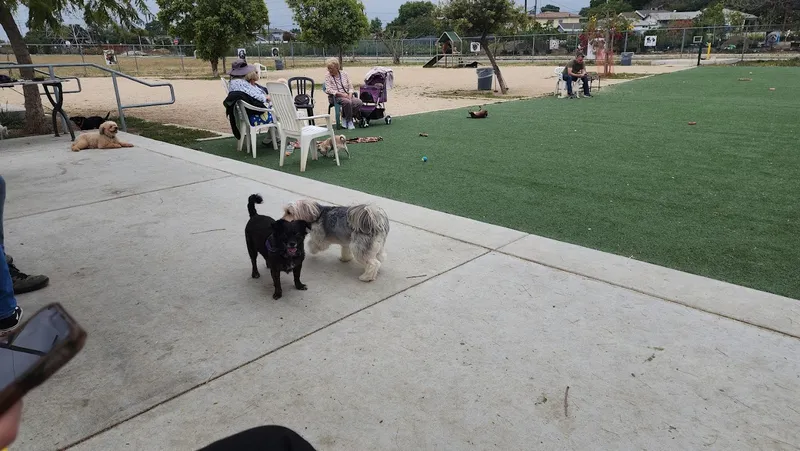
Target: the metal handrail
(114, 75)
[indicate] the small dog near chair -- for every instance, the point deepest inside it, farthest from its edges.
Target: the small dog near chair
(325, 147)
(280, 242)
(105, 138)
(360, 230)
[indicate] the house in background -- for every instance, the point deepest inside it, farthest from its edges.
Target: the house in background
(644, 20)
(556, 18)
(570, 28)
(274, 36)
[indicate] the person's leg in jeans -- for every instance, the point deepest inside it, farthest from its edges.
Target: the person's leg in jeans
(585, 79)
(22, 282)
(568, 81)
(10, 313)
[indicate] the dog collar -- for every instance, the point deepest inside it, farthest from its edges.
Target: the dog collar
(269, 247)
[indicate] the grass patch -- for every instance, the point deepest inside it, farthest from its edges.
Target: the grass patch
(792, 62)
(180, 136)
(624, 76)
(622, 172)
(474, 94)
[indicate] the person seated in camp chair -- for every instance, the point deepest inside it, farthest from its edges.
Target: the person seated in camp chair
(576, 70)
(338, 85)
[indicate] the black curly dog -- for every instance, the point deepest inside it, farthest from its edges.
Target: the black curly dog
(280, 242)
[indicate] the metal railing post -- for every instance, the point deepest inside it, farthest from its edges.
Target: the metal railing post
(123, 126)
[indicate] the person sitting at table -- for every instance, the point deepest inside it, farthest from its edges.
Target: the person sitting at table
(576, 70)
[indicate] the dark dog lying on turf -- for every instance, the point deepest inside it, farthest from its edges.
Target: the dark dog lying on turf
(280, 242)
(89, 123)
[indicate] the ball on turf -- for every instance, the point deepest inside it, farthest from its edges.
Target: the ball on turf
(424, 159)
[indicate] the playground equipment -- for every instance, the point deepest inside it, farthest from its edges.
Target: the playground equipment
(449, 44)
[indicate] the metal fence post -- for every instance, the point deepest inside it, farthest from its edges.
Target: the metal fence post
(625, 47)
(83, 60)
(533, 47)
(683, 41)
(135, 59)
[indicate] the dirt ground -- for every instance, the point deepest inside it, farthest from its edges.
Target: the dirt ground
(199, 102)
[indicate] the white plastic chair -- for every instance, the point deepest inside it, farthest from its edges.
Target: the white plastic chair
(260, 68)
(293, 124)
(225, 84)
(248, 133)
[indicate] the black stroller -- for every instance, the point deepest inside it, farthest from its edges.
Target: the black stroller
(373, 95)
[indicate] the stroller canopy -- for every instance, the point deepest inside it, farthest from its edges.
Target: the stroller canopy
(380, 74)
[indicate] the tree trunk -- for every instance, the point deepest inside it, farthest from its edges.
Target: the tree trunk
(394, 47)
(490, 55)
(341, 56)
(215, 66)
(34, 113)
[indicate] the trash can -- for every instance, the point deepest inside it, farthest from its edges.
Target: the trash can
(627, 58)
(485, 75)
(278, 64)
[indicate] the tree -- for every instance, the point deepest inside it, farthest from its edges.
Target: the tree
(603, 9)
(785, 12)
(550, 9)
(415, 18)
(712, 16)
(214, 26)
(393, 40)
(155, 28)
(288, 36)
(48, 12)
(484, 17)
(335, 23)
(375, 26)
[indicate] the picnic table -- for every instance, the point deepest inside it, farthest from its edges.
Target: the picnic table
(56, 98)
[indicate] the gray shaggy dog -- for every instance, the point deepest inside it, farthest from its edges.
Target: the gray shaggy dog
(360, 230)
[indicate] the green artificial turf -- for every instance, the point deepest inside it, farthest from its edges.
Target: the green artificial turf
(622, 172)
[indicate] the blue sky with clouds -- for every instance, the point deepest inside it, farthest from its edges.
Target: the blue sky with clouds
(281, 15)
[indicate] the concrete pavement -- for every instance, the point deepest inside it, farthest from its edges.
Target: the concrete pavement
(468, 339)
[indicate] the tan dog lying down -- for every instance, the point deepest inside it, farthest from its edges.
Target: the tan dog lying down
(105, 138)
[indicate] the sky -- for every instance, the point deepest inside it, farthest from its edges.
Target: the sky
(281, 16)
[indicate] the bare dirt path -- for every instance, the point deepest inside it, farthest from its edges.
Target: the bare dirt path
(199, 102)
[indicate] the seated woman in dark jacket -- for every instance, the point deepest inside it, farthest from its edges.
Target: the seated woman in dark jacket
(243, 79)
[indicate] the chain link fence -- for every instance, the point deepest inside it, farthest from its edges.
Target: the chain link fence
(148, 59)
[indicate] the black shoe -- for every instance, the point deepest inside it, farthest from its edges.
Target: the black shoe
(12, 322)
(571, 96)
(588, 95)
(24, 283)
